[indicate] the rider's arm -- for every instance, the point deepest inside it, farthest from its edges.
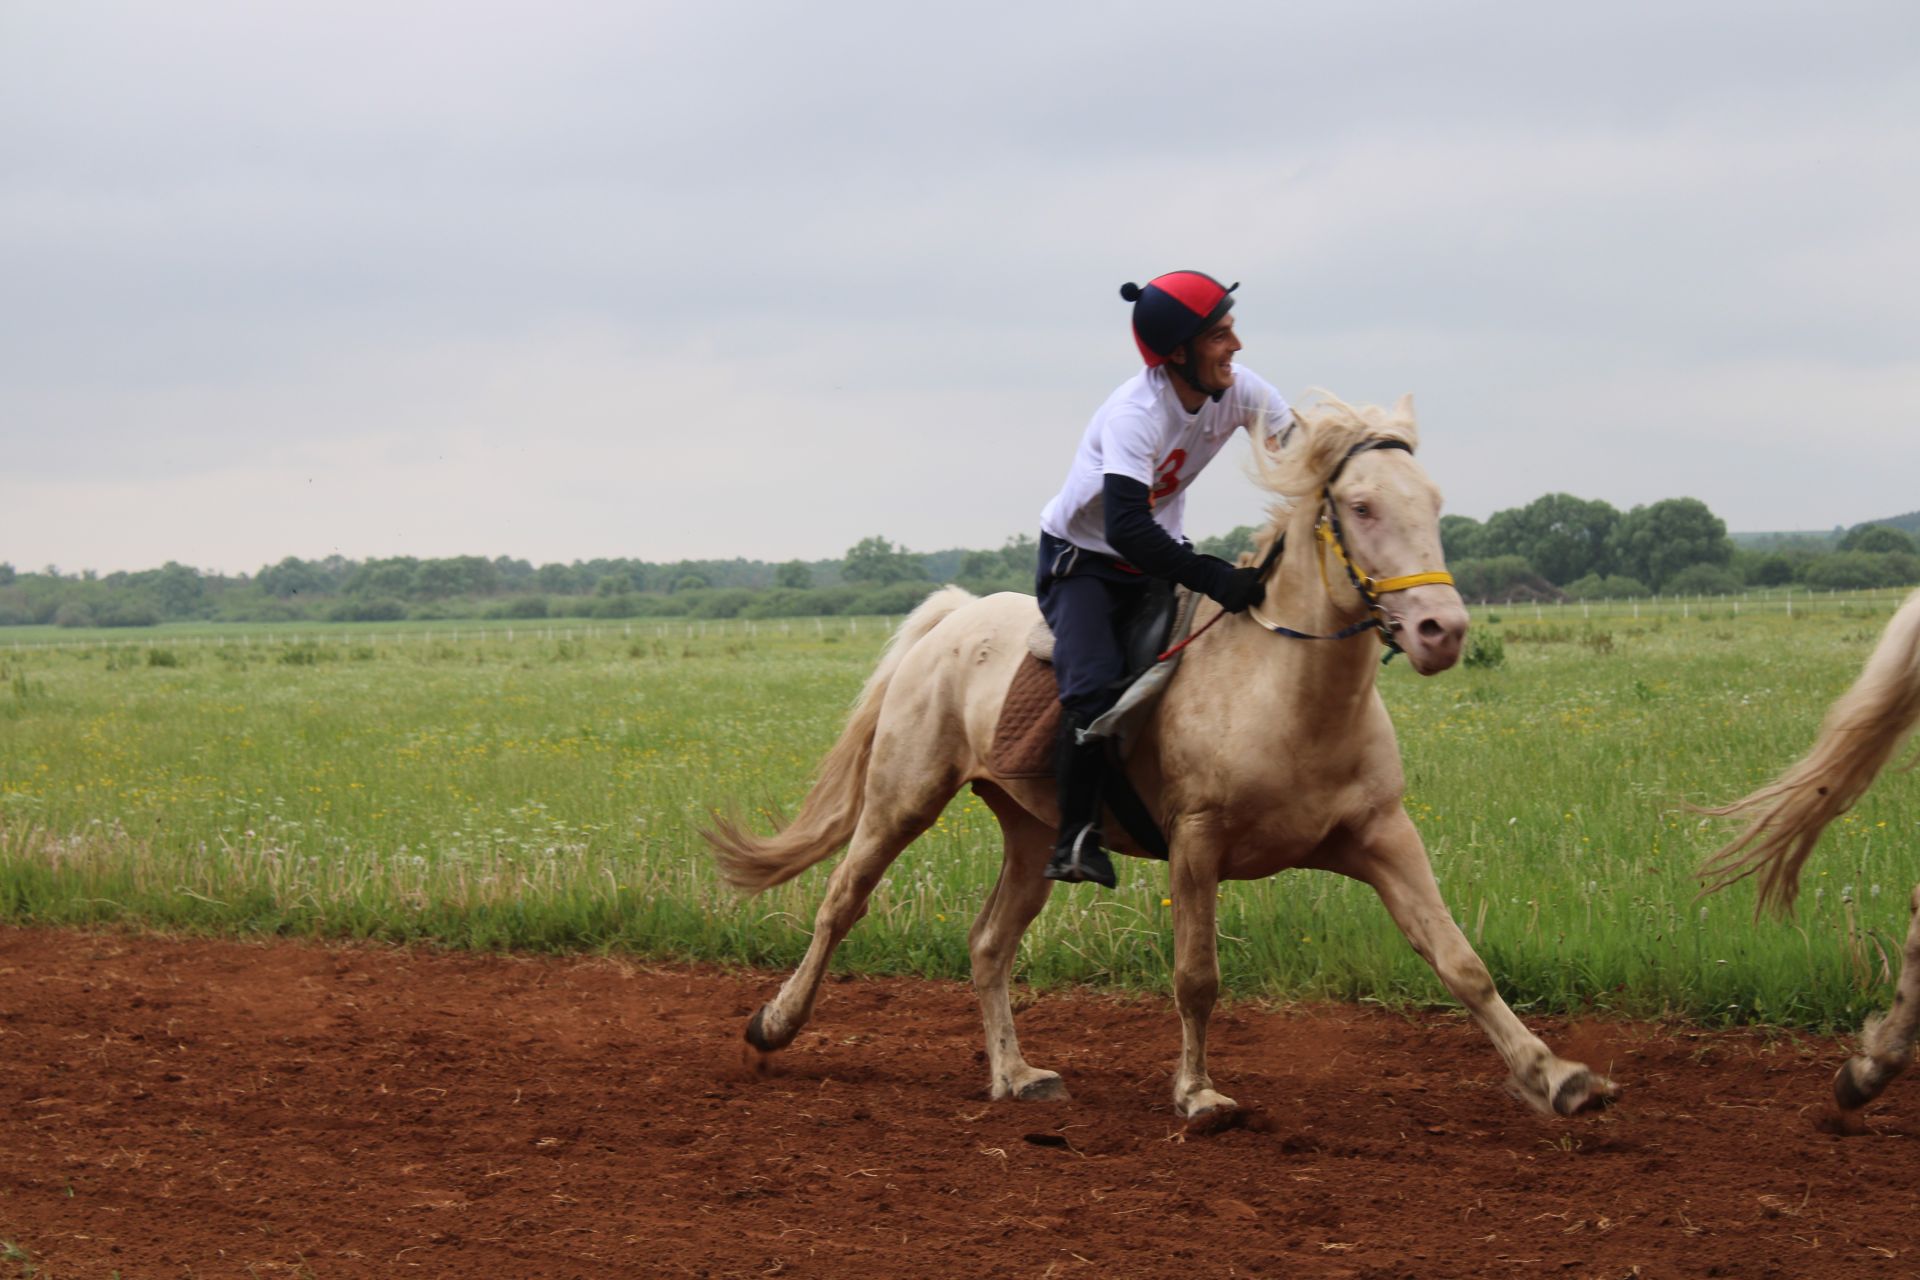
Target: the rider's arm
(1133, 532)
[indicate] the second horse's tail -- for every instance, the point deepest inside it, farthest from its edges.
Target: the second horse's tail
(831, 810)
(1863, 729)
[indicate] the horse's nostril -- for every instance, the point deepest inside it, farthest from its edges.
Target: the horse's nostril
(1431, 630)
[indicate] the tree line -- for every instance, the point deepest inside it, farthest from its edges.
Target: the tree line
(875, 576)
(1560, 547)
(1556, 547)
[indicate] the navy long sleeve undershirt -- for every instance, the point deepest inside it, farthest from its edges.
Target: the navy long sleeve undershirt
(1142, 543)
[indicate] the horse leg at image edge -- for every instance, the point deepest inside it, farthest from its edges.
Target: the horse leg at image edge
(1195, 888)
(1395, 863)
(1016, 899)
(883, 832)
(1886, 1043)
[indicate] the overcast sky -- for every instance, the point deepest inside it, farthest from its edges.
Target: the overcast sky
(563, 279)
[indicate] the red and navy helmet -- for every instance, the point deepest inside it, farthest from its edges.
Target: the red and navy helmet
(1175, 309)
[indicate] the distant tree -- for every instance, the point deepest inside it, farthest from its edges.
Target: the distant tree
(1878, 538)
(1704, 580)
(1499, 578)
(977, 565)
(1654, 542)
(178, 590)
(1020, 553)
(7, 574)
(455, 576)
(794, 574)
(1848, 571)
(1228, 546)
(560, 579)
(878, 561)
(511, 574)
(1460, 537)
(1561, 536)
(1773, 570)
(690, 582)
(293, 577)
(391, 578)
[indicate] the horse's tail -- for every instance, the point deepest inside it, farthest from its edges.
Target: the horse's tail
(1861, 732)
(832, 808)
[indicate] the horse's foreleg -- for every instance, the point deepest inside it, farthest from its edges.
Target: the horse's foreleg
(1394, 861)
(1195, 880)
(885, 828)
(1016, 899)
(1886, 1044)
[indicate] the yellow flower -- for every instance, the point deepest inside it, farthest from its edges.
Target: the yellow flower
(1166, 902)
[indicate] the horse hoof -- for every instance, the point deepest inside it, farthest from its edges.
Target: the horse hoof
(1848, 1093)
(760, 1038)
(1207, 1108)
(1584, 1091)
(1046, 1086)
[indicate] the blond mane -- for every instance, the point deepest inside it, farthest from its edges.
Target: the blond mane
(1295, 461)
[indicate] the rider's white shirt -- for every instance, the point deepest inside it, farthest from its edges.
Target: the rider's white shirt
(1144, 433)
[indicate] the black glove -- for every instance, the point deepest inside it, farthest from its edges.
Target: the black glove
(1233, 589)
(1239, 589)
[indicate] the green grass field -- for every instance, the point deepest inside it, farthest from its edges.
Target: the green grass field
(542, 786)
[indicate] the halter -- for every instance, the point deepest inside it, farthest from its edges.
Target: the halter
(1327, 533)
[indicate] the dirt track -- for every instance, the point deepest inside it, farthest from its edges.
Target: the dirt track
(225, 1109)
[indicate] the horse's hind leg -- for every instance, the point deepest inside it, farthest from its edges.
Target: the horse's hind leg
(1886, 1044)
(1016, 899)
(897, 811)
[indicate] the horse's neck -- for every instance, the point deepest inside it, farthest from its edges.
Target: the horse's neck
(1328, 676)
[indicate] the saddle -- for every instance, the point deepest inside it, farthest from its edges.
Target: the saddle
(1023, 737)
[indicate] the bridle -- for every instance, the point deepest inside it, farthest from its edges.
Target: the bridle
(1328, 535)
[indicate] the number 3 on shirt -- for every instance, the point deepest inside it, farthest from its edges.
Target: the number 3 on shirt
(1167, 479)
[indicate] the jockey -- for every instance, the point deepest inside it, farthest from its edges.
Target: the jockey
(1116, 523)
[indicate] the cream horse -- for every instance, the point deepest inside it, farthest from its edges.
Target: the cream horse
(1863, 729)
(1266, 753)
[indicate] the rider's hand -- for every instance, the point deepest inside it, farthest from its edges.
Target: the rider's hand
(1239, 589)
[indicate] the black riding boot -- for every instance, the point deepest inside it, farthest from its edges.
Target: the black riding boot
(1079, 767)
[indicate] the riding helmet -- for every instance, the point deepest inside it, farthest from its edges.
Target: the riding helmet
(1174, 309)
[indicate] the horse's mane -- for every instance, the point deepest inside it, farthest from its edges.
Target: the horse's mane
(1293, 462)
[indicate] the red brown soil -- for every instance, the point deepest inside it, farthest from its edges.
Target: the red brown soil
(192, 1108)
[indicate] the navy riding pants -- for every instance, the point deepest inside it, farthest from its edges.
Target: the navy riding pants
(1085, 597)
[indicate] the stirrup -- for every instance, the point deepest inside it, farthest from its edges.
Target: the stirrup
(1082, 860)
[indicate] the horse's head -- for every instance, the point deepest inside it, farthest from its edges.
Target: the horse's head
(1380, 513)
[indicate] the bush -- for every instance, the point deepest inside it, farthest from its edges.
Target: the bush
(652, 606)
(782, 602)
(241, 607)
(899, 597)
(1486, 651)
(1704, 580)
(1501, 578)
(521, 607)
(1611, 587)
(73, 613)
(724, 603)
(384, 609)
(1859, 570)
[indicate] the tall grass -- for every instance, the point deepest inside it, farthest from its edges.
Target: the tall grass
(544, 791)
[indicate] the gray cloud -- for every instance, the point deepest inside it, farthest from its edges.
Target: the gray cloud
(581, 279)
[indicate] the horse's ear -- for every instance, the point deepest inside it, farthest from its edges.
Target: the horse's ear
(1403, 407)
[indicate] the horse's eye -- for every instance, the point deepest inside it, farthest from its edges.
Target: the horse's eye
(1362, 509)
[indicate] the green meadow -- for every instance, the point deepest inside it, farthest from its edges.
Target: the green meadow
(542, 787)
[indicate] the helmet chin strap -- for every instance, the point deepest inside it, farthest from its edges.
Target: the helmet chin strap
(1180, 371)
